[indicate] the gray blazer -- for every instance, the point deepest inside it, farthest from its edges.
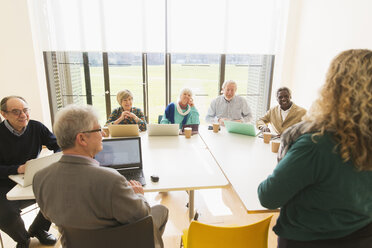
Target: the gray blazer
(76, 192)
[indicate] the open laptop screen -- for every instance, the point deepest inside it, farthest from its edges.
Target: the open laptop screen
(121, 153)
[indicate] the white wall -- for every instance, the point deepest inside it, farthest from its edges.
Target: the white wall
(317, 31)
(21, 72)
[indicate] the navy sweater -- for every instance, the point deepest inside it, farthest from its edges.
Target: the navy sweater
(15, 151)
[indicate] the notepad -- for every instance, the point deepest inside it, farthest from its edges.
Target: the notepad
(241, 128)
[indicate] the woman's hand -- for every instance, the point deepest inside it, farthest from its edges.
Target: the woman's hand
(191, 102)
(130, 115)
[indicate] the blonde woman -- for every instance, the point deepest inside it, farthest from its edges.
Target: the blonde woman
(126, 113)
(182, 112)
(323, 184)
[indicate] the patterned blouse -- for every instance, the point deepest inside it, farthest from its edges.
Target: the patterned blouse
(138, 112)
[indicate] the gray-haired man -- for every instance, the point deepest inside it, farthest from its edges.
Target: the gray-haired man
(108, 198)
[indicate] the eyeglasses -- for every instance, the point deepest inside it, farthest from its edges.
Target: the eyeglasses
(18, 112)
(92, 131)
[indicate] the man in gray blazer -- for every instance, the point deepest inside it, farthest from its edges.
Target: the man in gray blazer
(77, 192)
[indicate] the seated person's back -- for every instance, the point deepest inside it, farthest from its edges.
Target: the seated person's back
(76, 192)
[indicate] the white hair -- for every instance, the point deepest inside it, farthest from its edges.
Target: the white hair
(72, 120)
(227, 82)
(186, 90)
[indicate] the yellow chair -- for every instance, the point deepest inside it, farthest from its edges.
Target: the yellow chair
(206, 236)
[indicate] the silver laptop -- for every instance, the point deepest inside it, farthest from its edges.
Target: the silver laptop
(123, 155)
(163, 129)
(33, 166)
(126, 130)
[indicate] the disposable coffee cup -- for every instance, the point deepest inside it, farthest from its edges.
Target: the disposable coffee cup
(106, 131)
(275, 145)
(216, 127)
(266, 137)
(188, 131)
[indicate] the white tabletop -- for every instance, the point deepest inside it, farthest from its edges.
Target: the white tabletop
(245, 160)
(180, 163)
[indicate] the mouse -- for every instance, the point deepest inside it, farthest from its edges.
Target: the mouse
(154, 178)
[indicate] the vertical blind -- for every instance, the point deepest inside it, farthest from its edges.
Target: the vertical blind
(184, 26)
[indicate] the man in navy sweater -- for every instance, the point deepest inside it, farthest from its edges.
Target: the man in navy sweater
(21, 139)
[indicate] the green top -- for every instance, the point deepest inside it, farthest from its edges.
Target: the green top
(192, 119)
(320, 196)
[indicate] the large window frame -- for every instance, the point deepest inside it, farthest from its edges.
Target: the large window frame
(53, 91)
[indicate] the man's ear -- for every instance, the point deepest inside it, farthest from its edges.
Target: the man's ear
(80, 139)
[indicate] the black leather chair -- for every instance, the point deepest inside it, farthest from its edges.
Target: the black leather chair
(139, 234)
(159, 118)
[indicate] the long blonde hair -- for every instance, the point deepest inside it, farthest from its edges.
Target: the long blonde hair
(345, 106)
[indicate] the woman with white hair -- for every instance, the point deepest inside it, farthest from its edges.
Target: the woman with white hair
(183, 112)
(126, 113)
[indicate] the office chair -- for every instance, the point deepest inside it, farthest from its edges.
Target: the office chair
(1, 241)
(139, 234)
(201, 235)
(159, 118)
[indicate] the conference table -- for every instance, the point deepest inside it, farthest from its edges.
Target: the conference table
(245, 160)
(181, 164)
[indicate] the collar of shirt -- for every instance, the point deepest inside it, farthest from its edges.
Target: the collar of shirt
(12, 130)
(93, 161)
(228, 101)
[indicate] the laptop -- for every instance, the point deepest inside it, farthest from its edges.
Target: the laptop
(241, 128)
(163, 129)
(126, 130)
(123, 155)
(194, 127)
(33, 166)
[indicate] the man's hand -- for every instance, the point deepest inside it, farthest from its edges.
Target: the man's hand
(221, 121)
(265, 129)
(136, 186)
(21, 169)
(238, 120)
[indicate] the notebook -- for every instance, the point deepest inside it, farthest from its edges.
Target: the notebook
(123, 155)
(33, 166)
(195, 128)
(126, 130)
(241, 128)
(163, 129)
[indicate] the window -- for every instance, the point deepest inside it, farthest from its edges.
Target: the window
(156, 47)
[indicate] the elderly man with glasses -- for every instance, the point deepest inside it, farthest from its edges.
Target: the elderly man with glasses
(21, 140)
(109, 199)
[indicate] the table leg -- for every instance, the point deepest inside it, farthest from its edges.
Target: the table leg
(191, 204)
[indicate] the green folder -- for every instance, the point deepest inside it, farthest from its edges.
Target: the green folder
(241, 128)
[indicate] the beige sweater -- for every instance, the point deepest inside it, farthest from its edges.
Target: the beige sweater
(274, 117)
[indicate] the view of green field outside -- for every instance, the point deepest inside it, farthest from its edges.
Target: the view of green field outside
(202, 79)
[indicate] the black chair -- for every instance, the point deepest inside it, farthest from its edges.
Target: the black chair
(159, 118)
(139, 234)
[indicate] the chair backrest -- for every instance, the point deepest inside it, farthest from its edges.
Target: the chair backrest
(160, 117)
(139, 234)
(249, 236)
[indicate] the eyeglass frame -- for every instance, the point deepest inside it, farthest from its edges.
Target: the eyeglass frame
(92, 131)
(26, 111)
